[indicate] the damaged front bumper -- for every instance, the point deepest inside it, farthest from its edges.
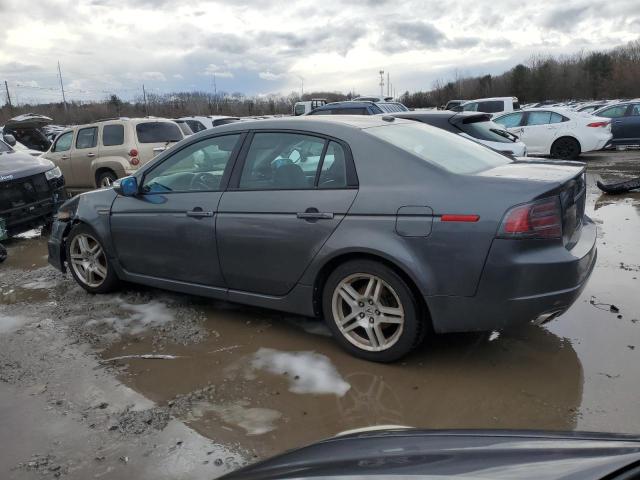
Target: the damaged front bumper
(55, 245)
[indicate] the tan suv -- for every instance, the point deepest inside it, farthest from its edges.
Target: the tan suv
(94, 155)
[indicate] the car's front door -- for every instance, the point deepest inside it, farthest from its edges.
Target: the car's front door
(287, 195)
(60, 154)
(167, 231)
(82, 155)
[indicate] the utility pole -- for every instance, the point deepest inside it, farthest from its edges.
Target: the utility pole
(6, 86)
(64, 100)
(388, 85)
(144, 95)
(215, 91)
(381, 83)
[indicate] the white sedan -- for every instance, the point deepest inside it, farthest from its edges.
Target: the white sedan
(558, 132)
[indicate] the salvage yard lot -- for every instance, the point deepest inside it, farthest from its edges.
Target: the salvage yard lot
(231, 384)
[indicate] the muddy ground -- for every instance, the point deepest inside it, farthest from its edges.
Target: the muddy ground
(223, 385)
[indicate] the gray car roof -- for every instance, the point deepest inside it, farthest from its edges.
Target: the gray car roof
(311, 122)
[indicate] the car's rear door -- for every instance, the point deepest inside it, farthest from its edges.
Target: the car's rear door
(85, 150)
(617, 114)
(288, 193)
(540, 130)
(167, 231)
(630, 124)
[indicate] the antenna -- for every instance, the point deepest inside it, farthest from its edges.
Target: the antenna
(381, 83)
(64, 100)
(301, 85)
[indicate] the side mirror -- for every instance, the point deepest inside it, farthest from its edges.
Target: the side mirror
(127, 186)
(10, 139)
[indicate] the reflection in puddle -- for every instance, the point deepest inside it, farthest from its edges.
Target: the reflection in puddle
(307, 372)
(253, 420)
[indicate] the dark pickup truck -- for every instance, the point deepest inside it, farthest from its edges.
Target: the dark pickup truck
(31, 190)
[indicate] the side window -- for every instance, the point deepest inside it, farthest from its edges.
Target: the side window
(112, 135)
(538, 118)
(470, 107)
(281, 161)
(300, 109)
(195, 125)
(557, 118)
(492, 106)
(198, 167)
(334, 168)
(510, 121)
(321, 112)
(87, 137)
(63, 143)
(635, 110)
(613, 112)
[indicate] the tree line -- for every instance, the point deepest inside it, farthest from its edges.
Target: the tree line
(593, 75)
(596, 75)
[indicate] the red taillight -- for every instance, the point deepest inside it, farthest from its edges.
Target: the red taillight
(542, 219)
(448, 217)
(134, 161)
(598, 124)
(133, 152)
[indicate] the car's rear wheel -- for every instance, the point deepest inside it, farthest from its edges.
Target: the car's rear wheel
(106, 179)
(371, 311)
(565, 148)
(88, 261)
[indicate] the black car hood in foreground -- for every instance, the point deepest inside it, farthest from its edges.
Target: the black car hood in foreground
(15, 165)
(455, 454)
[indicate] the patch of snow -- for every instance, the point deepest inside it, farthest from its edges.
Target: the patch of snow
(494, 336)
(40, 284)
(253, 420)
(308, 372)
(137, 318)
(36, 232)
(10, 323)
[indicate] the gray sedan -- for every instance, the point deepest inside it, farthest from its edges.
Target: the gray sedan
(387, 228)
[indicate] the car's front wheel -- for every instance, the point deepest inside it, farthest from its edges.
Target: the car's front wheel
(106, 179)
(371, 311)
(88, 261)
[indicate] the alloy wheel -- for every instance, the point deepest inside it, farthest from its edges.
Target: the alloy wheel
(88, 260)
(368, 312)
(106, 182)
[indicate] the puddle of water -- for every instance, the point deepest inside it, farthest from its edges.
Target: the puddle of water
(27, 251)
(136, 318)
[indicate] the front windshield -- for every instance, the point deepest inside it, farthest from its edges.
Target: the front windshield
(439, 147)
(489, 131)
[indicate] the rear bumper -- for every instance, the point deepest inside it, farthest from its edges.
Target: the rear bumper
(522, 282)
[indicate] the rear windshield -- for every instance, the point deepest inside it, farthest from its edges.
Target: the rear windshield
(451, 152)
(158, 132)
(489, 131)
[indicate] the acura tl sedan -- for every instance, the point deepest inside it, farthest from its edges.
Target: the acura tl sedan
(389, 229)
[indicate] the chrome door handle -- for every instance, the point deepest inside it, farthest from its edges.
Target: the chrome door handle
(64, 157)
(199, 213)
(91, 155)
(315, 215)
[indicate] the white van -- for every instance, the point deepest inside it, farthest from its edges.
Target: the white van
(492, 105)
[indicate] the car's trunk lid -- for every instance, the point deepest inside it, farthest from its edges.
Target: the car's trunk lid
(565, 179)
(28, 120)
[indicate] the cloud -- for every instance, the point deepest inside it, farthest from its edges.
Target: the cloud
(270, 76)
(177, 76)
(213, 69)
(150, 76)
(409, 35)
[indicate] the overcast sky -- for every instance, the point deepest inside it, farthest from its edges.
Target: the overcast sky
(266, 46)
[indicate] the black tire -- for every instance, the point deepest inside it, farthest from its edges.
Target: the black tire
(565, 148)
(414, 326)
(106, 177)
(3, 253)
(110, 281)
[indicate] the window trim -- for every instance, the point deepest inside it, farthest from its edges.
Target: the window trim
(95, 137)
(351, 174)
(225, 175)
